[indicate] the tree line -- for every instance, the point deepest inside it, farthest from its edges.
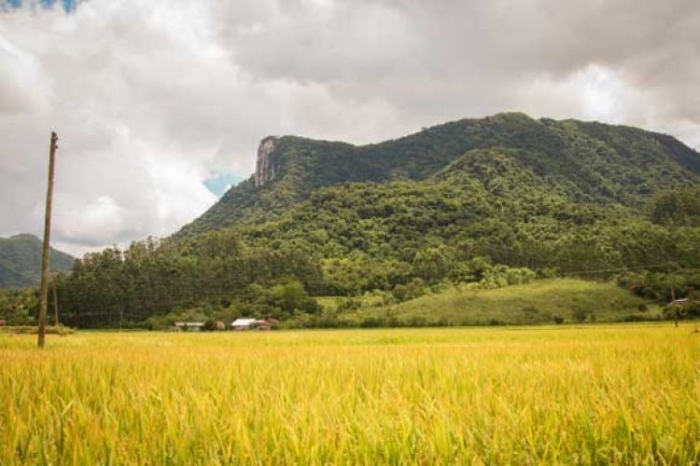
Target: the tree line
(400, 238)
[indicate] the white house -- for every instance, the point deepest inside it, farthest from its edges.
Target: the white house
(243, 323)
(247, 323)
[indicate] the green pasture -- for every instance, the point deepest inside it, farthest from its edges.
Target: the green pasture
(566, 300)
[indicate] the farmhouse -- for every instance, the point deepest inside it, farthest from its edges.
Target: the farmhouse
(188, 326)
(246, 323)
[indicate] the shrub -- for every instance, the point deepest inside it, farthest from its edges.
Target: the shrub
(33, 330)
(373, 322)
(417, 321)
(579, 314)
(349, 304)
(209, 325)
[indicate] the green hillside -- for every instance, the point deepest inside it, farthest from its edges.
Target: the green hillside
(20, 261)
(570, 196)
(540, 302)
(491, 203)
(587, 162)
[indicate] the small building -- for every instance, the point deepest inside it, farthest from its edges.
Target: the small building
(247, 323)
(188, 326)
(243, 323)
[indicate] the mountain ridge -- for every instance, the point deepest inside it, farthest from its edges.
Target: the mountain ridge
(592, 155)
(20, 261)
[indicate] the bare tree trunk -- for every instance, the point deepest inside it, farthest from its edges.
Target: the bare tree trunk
(45, 249)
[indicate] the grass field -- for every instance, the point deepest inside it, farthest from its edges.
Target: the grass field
(538, 302)
(626, 394)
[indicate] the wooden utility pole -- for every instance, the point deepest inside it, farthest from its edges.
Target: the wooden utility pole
(45, 249)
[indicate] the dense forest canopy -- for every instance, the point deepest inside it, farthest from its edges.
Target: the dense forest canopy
(493, 201)
(585, 162)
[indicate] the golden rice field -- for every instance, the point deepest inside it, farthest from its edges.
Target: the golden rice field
(561, 395)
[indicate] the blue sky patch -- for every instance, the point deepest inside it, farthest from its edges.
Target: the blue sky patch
(219, 183)
(68, 5)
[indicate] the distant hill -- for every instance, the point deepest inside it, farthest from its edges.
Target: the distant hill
(581, 162)
(20, 261)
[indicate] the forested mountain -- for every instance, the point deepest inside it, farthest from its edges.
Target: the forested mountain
(587, 163)
(20, 261)
(490, 202)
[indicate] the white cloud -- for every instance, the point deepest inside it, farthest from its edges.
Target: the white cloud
(150, 98)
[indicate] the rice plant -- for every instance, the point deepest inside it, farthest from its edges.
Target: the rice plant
(569, 395)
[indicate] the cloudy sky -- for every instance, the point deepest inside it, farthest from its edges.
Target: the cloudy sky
(157, 101)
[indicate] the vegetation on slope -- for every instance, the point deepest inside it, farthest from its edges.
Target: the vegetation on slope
(591, 162)
(551, 301)
(20, 261)
(485, 204)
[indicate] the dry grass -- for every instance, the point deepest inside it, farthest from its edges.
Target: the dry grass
(624, 394)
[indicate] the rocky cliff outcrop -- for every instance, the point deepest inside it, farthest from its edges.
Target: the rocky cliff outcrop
(265, 169)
